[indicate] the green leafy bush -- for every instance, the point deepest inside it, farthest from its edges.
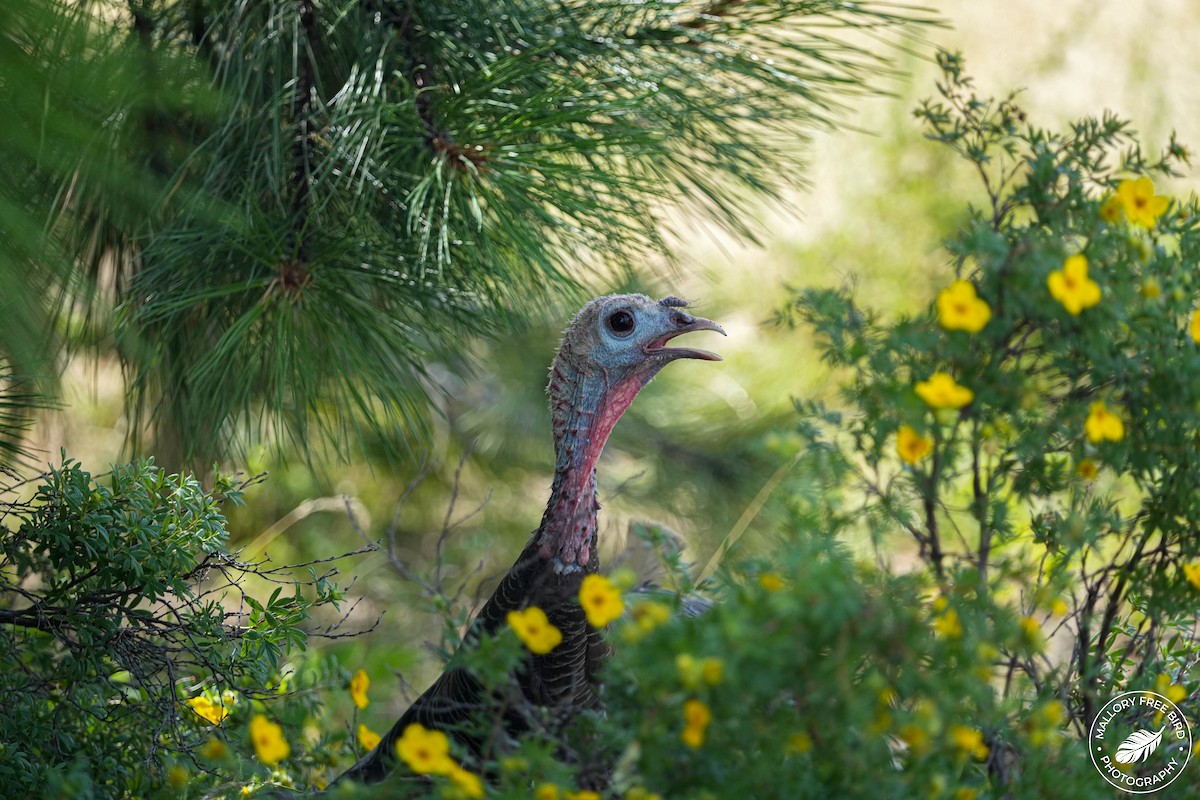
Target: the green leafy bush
(128, 630)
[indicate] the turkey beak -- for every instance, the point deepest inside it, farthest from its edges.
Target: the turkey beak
(682, 322)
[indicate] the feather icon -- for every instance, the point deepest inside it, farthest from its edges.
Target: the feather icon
(1138, 746)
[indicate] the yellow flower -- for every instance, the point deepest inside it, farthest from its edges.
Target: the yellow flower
(770, 581)
(1192, 573)
(696, 718)
(247, 791)
(534, 629)
(712, 671)
(651, 614)
(1072, 287)
(646, 616)
(208, 709)
(692, 672)
(367, 738)
(1059, 608)
(1032, 631)
(1170, 690)
(468, 782)
(601, 600)
(514, 764)
(1102, 424)
(961, 309)
(269, 744)
(941, 391)
(947, 624)
(916, 737)
(177, 776)
(799, 743)
(693, 737)
(1111, 210)
(969, 741)
(1194, 326)
(214, 748)
(319, 778)
(911, 445)
(965, 794)
(426, 752)
(358, 688)
(1052, 713)
(1140, 204)
(688, 669)
(624, 578)
(547, 791)
(640, 793)
(1087, 469)
(582, 794)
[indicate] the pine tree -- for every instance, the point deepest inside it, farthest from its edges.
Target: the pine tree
(278, 212)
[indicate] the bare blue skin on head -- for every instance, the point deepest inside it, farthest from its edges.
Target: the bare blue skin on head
(613, 348)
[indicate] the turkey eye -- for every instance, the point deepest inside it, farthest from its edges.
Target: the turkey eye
(621, 323)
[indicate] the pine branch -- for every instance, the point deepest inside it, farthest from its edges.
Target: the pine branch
(293, 276)
(309, 201)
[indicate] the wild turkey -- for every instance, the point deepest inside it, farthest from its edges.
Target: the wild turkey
(613, 347)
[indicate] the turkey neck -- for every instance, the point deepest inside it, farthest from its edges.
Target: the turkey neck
(583, 409)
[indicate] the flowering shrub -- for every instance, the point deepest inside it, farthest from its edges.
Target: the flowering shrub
(123, 670)
(1044, 459)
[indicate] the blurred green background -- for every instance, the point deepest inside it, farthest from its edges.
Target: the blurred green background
(699, 449)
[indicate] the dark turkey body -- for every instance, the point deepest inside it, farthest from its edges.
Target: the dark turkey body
(563, 679)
